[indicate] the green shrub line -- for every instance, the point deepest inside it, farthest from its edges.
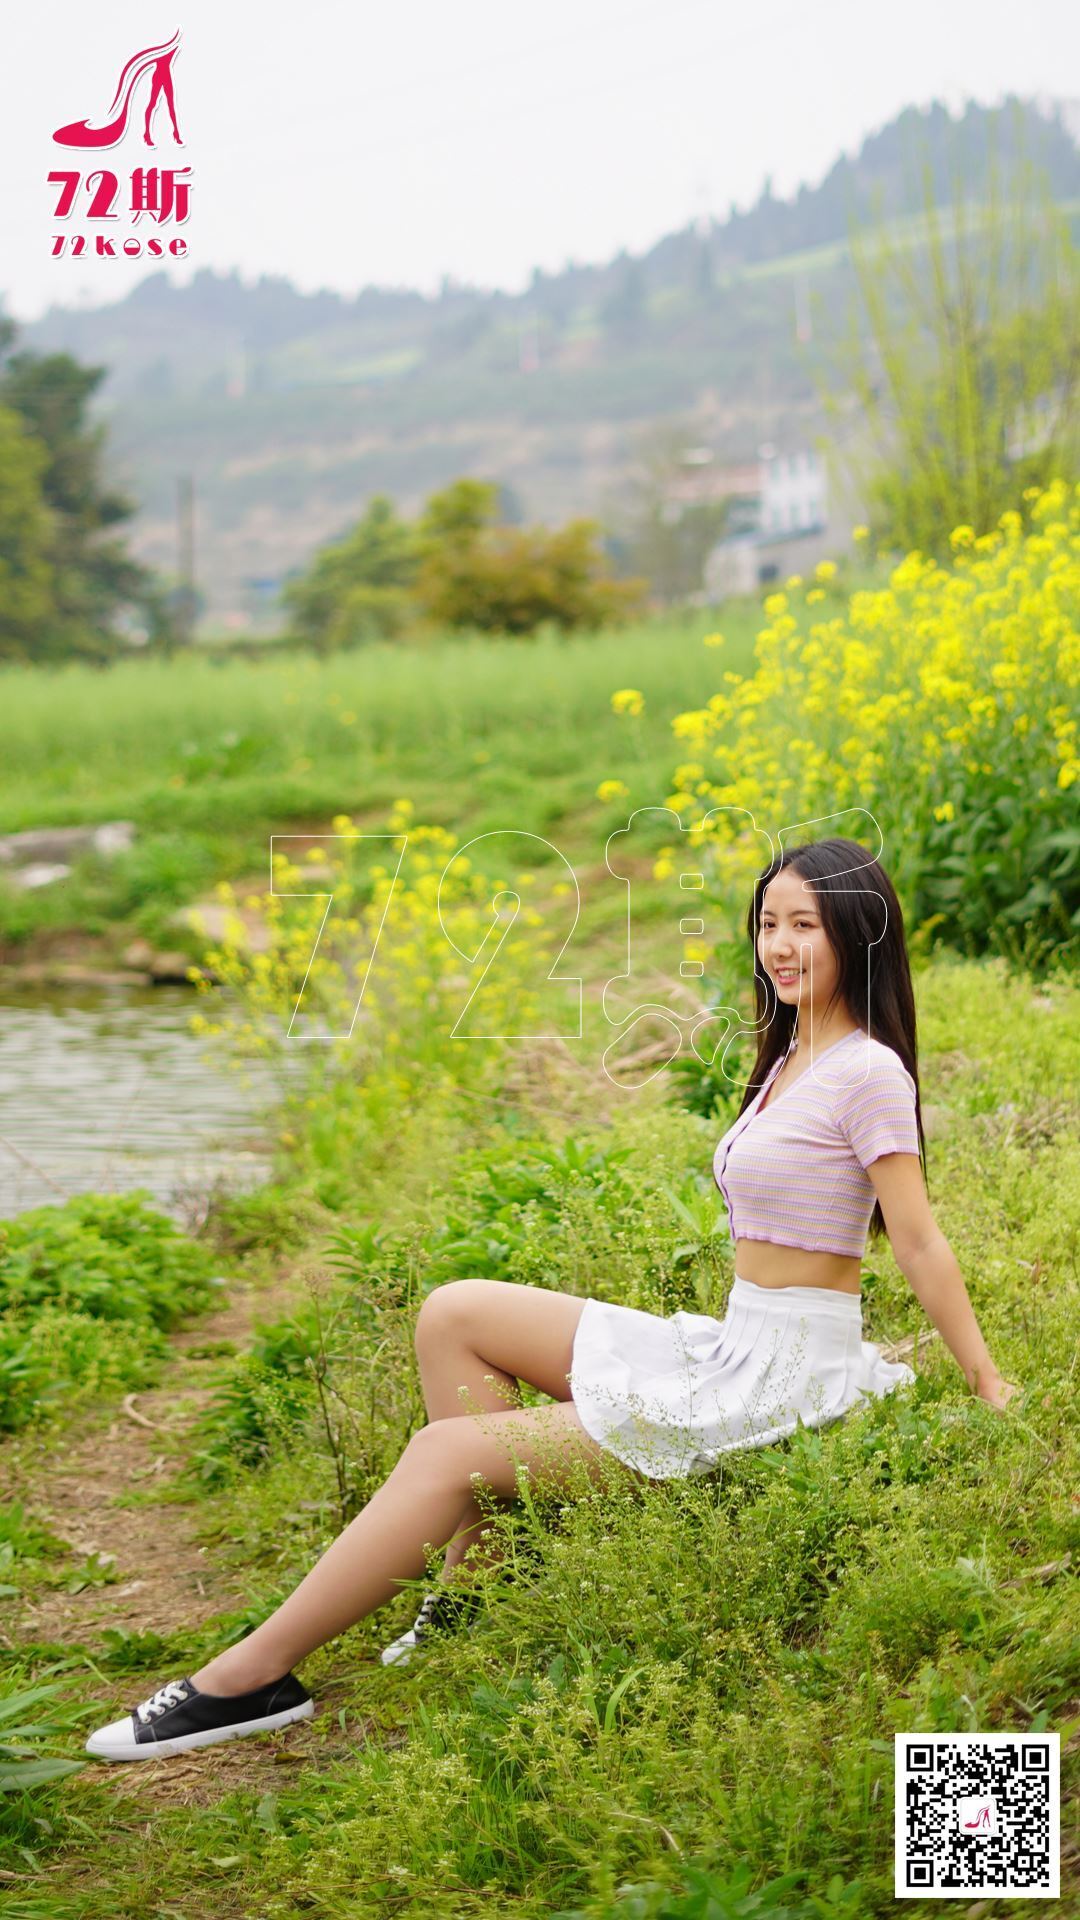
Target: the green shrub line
(88, 1292)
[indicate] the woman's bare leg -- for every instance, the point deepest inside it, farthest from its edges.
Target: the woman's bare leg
(475, 1339)
(416, 1508)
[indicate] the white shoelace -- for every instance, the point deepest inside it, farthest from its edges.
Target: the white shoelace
(444, 1602)
(423, 1618)
(170, 1695)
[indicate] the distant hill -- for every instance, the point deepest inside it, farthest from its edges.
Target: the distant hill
(291, 409)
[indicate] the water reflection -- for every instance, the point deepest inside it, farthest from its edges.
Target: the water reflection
(107, 1089)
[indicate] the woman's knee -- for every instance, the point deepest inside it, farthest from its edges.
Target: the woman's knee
(446, 1453)
(451, 1305)
(549, 1444)
(426, 1450)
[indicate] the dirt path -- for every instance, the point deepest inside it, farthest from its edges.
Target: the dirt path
(76, 1484)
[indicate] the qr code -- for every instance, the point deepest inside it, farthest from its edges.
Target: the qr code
(977, 1813)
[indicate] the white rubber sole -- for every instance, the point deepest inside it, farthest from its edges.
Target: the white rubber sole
(399, 1652)
(115, 1742)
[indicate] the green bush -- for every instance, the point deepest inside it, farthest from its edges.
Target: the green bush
(87, 1293)
(107, 1255)
(266, 1393)
(943, 707)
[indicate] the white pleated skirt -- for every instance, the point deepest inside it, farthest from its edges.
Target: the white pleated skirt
(669, 1396)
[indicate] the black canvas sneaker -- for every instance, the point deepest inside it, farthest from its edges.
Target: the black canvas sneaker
(178, 1717)
(441, 1612)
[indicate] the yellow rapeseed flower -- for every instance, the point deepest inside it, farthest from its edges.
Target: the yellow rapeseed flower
(627, 700)
(908, 690)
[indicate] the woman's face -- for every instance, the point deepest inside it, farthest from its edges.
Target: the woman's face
(792, 947)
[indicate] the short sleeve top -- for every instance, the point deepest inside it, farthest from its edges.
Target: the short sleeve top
(795, 1173)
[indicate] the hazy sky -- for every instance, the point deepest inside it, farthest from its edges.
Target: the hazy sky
(390, 144)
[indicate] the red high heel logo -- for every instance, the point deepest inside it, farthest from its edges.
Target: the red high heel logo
(982, 1819)
(157, 61)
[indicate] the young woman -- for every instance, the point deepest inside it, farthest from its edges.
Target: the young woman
(828, 1144)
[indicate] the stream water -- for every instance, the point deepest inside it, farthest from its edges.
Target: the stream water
(103, 1089)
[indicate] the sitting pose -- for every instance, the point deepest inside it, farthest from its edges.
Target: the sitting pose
(828, 1145)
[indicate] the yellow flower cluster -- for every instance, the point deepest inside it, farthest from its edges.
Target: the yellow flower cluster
(946, 692)
(612, 790)
(628, 700)
(400, 956)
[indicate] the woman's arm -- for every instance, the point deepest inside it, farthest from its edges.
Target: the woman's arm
(927, 1261)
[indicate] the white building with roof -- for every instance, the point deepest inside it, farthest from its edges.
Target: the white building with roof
(789, 523)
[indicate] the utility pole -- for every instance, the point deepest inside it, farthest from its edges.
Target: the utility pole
(185, 541)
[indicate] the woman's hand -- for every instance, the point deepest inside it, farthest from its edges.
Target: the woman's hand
(998, 1393)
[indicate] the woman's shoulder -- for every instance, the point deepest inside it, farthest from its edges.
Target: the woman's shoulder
(869, 1061)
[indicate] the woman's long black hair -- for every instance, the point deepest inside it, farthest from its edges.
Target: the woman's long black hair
(864, 925)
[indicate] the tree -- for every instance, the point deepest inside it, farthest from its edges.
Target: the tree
(456, 566)
(94, 576)
(500, 579)
(971, 385)
(358, 588)
(456, 516)
(27, 599)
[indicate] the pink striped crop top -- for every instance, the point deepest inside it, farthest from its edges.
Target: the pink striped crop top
(796, 1174)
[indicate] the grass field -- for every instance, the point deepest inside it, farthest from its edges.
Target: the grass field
(208, 757)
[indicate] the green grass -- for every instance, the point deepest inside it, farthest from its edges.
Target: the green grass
(690, 1683)
(87, 1292)
(209, 756)
(236, 727)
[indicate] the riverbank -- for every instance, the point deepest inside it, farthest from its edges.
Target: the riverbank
(63, 957)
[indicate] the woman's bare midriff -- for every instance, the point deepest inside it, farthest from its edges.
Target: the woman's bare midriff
(766, 1265)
